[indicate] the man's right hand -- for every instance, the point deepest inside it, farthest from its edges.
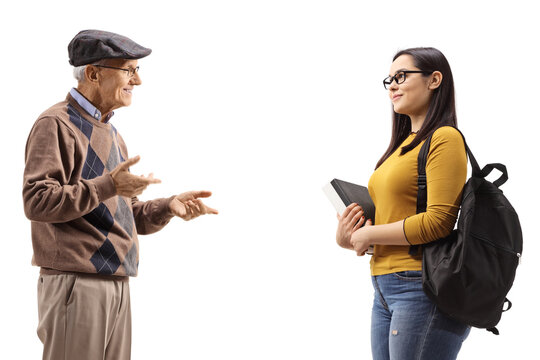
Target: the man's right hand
(127, 184)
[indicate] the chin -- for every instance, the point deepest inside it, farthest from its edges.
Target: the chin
(124, 102)
(401, 110)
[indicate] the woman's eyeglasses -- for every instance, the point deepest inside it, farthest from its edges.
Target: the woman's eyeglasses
(401, 76)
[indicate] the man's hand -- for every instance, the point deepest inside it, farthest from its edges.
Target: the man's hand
(188, 205)
(130, 185)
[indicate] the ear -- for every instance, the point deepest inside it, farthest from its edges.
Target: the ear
(435, 80)
(91, 73)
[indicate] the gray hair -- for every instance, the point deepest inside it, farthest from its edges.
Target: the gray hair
(78, 72)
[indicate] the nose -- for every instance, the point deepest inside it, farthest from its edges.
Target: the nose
(393, 85)
(135, 79)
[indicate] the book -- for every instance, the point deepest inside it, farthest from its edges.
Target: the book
(342, 193)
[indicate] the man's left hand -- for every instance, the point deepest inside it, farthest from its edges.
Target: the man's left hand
(188, 205)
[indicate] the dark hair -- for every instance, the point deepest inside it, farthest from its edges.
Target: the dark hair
(442, 106)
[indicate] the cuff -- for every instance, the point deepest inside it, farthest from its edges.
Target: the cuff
(105, 187)
(405, 232)
(412, 229)
(161, 209)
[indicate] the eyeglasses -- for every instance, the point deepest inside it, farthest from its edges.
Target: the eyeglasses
(401, 76)
(130, 71)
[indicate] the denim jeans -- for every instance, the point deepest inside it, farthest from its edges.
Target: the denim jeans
(406, 325)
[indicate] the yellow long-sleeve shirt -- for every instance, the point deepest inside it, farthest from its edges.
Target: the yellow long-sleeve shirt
(393, 188)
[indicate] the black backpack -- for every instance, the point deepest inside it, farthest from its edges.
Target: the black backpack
(468, 273)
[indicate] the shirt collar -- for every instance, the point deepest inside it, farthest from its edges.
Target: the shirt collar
(87, 105)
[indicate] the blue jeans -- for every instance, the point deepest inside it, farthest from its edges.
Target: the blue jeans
(406, 325)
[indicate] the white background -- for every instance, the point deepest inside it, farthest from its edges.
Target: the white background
(263, 102)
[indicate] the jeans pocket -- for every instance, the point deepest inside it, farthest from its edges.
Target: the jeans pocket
(410, 275)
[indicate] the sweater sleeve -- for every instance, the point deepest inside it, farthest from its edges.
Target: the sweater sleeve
(151, 216)
(446, 172)
(49, 193)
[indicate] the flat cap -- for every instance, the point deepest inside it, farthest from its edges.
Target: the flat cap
(89, 46)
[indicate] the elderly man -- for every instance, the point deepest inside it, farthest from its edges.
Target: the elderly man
(81, 200)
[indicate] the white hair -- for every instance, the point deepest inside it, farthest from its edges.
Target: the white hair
(78, 72)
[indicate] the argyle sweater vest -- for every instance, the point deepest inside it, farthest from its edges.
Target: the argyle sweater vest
(79, 224)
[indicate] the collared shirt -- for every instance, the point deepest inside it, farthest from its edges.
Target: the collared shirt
(87, 106)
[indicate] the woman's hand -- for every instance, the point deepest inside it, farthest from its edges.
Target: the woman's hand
(350, 221)
(360, 239)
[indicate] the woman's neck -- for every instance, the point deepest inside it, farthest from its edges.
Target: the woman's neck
(417, 121)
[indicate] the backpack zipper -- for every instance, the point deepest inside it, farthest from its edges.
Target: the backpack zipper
(518, 255)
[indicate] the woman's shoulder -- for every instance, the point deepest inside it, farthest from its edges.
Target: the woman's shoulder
(447, 134)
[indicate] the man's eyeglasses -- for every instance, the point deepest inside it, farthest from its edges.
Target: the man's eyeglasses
(401, 76)
(130, 71)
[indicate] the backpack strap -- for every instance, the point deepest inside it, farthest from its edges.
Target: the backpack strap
(486, 170)
(421, 198)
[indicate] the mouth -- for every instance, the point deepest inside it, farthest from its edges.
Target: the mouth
(128, 91)
(397, 96)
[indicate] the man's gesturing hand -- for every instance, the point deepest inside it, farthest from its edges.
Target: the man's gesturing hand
(127, 184)
(188, 206)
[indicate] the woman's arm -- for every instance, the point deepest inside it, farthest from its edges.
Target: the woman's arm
(388, 234)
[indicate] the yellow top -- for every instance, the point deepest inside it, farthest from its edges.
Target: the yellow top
(393, 188)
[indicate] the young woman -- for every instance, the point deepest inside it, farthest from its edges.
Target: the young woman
(405, 323)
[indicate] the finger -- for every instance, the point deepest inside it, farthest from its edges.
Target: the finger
(355, 210)
(189, 213)
(196, 206)
(357, 216)
(129, 162)
(348, 209)
(207, 209)
(369, 222)
(353, 217)
(146, 180)
(204, 208)
(152, 181)
(200, 193)
(338, 217)
(359, 223)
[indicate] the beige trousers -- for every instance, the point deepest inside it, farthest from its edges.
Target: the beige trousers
(84, 318)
